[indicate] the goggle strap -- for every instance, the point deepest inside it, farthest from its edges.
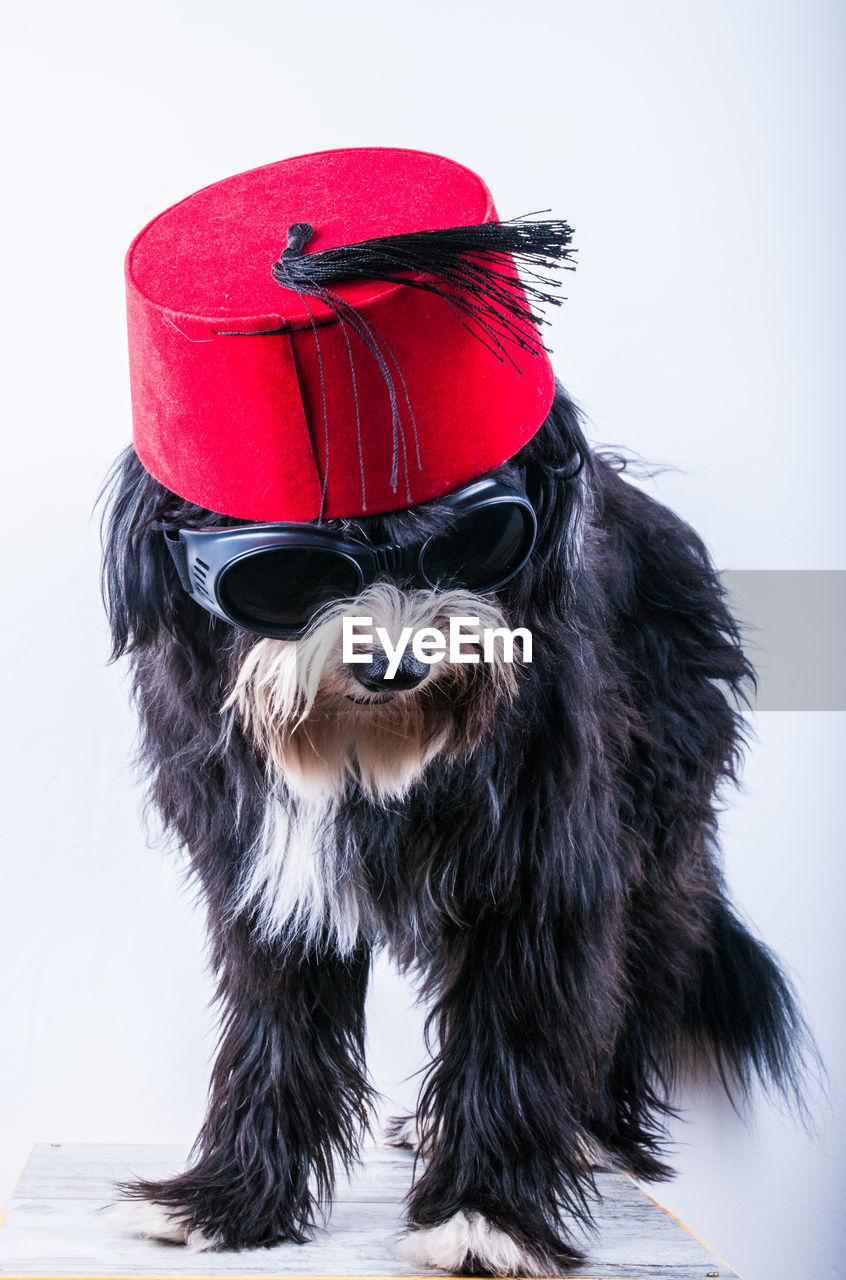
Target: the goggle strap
(179, 556)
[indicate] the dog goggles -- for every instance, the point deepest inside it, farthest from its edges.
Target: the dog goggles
(273, 578)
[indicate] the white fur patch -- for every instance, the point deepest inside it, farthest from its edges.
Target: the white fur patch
(155, 1222)
(467, 1237)
(297, 878)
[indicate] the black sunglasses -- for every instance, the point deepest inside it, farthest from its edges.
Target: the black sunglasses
(273, 578)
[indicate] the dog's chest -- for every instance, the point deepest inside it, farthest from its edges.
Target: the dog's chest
(338, 872)
(299, 881)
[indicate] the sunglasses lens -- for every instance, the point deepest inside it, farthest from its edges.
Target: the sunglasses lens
(283, 587)
(484, 547)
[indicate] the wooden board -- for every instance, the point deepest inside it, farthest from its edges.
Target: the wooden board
(59, 1224)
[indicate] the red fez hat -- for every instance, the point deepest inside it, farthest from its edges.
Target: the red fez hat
(336, 335)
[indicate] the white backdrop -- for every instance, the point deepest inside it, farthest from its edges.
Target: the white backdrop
(696, 149)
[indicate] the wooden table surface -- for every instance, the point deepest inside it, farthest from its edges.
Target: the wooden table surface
(59, 1223)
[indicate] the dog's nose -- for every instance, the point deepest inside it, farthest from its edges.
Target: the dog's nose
(374, 674)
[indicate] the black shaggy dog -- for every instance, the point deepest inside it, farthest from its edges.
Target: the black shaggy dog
(536, 842)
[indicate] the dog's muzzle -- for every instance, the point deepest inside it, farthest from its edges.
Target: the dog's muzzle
(323, 722)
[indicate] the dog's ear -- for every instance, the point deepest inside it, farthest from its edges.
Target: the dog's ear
(141, 590)
(558, 463)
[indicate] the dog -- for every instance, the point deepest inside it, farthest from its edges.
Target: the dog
(535, 842)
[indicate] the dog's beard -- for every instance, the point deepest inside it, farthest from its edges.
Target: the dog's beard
(319, 727)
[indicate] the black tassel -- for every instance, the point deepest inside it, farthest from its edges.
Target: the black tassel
(467, 266)
(471, 268)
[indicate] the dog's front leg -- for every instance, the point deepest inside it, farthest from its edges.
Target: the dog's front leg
(288, 1095)
(519, 1021)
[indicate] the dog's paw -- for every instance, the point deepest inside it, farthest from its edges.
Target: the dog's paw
(468, 1242)
(155, 1222)
(591, 1154)
(404, 1132)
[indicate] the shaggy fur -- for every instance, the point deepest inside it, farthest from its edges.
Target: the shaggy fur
(536, 844)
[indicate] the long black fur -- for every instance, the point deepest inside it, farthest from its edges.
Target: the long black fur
(565, 910)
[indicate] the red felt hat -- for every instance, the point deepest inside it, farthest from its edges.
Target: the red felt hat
(339, 378)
